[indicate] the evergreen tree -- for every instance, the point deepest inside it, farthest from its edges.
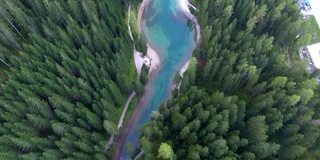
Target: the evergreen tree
(254, 103)
(67, 78)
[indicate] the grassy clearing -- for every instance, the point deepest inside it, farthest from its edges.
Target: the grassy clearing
(310, 26)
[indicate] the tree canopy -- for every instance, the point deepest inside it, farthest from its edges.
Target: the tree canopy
(248, 99)
(71, 70)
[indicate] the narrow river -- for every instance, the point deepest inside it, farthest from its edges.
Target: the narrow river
(168, 32)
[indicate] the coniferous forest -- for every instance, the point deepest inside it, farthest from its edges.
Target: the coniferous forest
(248, 97)
(68, 70)
(71, 71)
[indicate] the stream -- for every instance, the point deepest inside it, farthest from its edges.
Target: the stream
(173, 38)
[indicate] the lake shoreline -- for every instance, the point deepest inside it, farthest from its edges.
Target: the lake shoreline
(186, 11)
(141, 12)
(152, 59)
(153, 71)
(151, 53)
(184, 7)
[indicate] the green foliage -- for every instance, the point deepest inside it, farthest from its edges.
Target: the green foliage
(144, 74)
(133, 22)
(165, 151)
(190, 75)
(141, 44)
(311, 27)
(243, 100)
(130, 147)
(71, 70)
(139, 37)
(110, 127)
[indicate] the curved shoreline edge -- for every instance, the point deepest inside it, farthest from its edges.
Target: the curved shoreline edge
(184, 7)
(152, 59)
(154, 69)
(151, 53)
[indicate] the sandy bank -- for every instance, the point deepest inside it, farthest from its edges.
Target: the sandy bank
(139, 60)
(184, 68)
(151, 60)
(142, 8)
(154, 59)
(184, 6)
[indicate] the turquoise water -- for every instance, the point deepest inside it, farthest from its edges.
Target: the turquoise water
(168, 33)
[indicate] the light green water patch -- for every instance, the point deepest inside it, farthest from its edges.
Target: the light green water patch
(155, 7)
(160, 41)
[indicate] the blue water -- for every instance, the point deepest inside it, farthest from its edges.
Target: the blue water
(167, 32)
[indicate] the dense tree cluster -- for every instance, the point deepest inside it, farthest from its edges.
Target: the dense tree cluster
(139, 37)
(246, 99)
(69, 80)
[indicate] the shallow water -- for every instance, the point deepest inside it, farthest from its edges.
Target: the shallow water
(168, 33)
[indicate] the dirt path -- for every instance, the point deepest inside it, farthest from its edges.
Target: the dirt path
(142, 102)
(129, 28)
(140, 106)
(126, 108)
(133, 119)
(107, 146)
(139, 155)
(133, 93)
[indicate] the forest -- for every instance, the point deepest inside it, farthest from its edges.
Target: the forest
(249, 96)
(68, 72)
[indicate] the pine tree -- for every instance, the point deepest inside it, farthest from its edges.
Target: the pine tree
(165, 151)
